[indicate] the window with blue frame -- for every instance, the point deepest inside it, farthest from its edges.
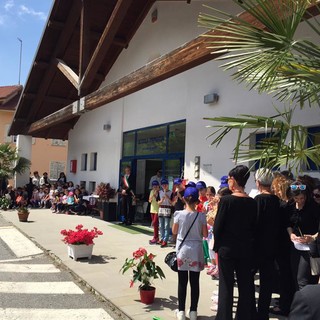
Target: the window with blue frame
(262, 138)
(313, 140)
(166, 138)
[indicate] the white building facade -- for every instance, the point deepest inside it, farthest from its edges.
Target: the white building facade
(162, 126)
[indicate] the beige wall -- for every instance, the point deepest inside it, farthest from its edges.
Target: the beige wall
(5, 121)
(44, 153)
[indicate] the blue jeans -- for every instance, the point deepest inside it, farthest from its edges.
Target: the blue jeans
(164, 227)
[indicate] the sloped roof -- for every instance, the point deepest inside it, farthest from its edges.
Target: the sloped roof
(80, 43)
(9, 97)
(81, 40)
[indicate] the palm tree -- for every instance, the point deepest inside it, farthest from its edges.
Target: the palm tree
(266, 56)
(11, 163)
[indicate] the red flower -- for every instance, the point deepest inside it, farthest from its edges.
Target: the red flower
(80, 236)
(151, 256)
(139, 253)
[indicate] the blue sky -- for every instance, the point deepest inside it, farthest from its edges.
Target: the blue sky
(23, 19)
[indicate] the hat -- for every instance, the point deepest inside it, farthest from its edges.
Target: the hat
(224, 182)
(177, 181)
(164, 181)
(193, 192)
(155, 183)
(201, 185)
(191, 184)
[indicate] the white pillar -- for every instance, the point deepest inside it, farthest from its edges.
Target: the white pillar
(24, 146)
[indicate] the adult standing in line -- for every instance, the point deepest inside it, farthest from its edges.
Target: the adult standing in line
(305, 305)
(302, 227)
(234, 231)
(127, 190)
(280, 186)
(268, 223)
(316, 194)
(190, 256)
(156, 177)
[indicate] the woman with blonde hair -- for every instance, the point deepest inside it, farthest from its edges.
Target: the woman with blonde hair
(280, 186)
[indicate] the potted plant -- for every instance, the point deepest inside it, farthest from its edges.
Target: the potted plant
(4, 203)
(107, 210)
(80, 241)
(23, 213)
(144, 270)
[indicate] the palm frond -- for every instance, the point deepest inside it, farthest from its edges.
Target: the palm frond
(285, 144)
(265, 55)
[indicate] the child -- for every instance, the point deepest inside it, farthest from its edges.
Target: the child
(165, 204)
(190, 256)
(154, 207)
(70, 202)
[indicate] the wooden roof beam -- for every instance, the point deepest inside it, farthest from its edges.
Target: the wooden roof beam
(181, 59)
(68, 72)
(62, 43)
(53, 119)
(105, 42)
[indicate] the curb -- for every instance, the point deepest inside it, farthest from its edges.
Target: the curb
(114, 311)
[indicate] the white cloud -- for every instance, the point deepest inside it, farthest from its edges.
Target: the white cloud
(39, 14)
(8, 5)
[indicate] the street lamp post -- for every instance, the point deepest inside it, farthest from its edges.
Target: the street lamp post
(20, 59)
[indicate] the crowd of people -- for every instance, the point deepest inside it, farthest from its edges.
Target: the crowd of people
(61, 196)
(236, 238)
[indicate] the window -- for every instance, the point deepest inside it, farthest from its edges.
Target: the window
(157, 140)
(83, 184)
(313, 140)
(93, 161)
(58, 142)
(128, 144)
(261, 138)
(55, 168)
(152, 141)
(92, 186)
(84, 160)
(177, 135)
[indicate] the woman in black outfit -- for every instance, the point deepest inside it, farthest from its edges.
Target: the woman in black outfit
(280, 186)
(302, 228)
(233, 231)
(266, 242)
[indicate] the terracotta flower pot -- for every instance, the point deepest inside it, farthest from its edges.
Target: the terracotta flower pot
(23, 216)
(147, 295)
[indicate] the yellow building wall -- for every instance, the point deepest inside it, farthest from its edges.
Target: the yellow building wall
(47, 154)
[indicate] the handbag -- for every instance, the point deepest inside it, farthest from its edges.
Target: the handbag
(315, 266)
(171, 258)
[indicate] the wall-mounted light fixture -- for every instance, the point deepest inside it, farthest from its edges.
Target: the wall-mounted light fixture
(211, 98)
(107, 127)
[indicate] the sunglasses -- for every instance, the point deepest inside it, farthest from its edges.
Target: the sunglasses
(295, 187)
(316, 195)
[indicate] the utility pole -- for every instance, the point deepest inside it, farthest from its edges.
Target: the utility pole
(20, 59)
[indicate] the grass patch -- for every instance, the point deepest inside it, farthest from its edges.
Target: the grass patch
(133, 229)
